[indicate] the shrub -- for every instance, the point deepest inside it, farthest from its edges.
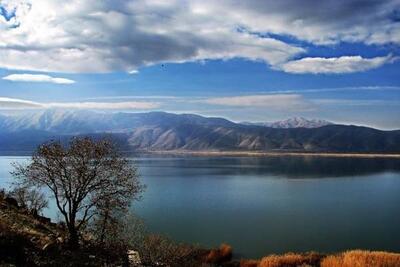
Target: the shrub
(291, 259)
(220, 255)
(360, 258)
(157, 250)
(30, 199)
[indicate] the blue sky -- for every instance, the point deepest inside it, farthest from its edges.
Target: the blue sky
(255, 62)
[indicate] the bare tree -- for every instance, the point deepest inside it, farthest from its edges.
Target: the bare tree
(30, 199)
(80, 176)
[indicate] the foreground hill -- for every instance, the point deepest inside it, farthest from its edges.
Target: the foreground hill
(160, 131)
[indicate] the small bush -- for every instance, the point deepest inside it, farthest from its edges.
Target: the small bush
(160, 251)
(360, 258)
(220, 255)
(291, 259)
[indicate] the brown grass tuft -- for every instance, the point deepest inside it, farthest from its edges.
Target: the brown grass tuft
(362, 258)
(291, 259)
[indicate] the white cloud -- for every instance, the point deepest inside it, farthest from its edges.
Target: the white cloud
(345, 64)
(356, 102)
(104, 105)
(37, 78)
(104, 36)
(12, 103)
(274, 101)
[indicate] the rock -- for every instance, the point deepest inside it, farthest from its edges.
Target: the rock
(134, 258)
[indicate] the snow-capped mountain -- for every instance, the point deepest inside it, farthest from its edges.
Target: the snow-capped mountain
(295, 122)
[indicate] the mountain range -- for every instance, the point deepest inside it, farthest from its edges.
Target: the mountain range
(160, 131)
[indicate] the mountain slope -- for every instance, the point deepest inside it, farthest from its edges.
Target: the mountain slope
(165, 131)
(335, 138)
(81, 121)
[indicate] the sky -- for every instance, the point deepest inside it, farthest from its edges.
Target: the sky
(243, 60)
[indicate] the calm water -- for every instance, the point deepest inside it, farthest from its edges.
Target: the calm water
(270, 205)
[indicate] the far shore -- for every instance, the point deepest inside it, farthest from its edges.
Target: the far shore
(273, 154)
(216, 153)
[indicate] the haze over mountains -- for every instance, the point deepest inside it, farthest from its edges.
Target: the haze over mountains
(160, 131)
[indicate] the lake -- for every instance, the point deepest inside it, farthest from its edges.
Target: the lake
(269, 205)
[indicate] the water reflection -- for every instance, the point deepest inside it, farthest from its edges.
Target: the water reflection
(289, 167)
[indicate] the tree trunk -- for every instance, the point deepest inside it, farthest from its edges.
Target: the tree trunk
(104, 227)
(73, 241)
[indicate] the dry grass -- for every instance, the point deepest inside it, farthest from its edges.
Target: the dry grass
(353, 258)
(291, 259)
(362, 258)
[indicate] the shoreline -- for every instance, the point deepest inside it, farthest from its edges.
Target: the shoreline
(270, 154)
(214, 153)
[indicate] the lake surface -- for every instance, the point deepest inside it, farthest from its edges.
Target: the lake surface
(269, 205)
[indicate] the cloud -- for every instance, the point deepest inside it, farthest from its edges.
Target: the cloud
(357, 102)
(104, 36)
(337, 89)
(37, 78)
(12, 103)
(104, 105)
(124, 35)
(274, 101)
(336, 65)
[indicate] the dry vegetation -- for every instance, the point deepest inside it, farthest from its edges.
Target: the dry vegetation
(354, 258)
(220, 255)
(362, 258)
(291, 259)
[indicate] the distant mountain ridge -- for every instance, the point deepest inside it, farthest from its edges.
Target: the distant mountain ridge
(295, 122)
(83, 121)
(161, 131)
